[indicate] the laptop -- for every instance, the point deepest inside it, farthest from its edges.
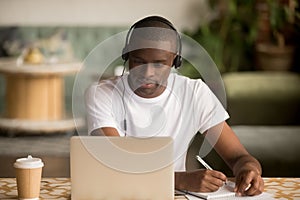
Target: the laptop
(121, 168)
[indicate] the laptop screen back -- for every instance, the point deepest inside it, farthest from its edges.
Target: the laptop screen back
(121, 168)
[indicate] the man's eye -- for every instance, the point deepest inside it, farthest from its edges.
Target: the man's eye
(158, 64)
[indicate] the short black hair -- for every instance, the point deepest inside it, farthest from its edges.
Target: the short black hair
(154, 28)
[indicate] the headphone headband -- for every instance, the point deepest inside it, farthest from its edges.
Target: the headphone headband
(177, 60)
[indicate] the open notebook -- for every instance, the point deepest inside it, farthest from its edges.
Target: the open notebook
(225, 192)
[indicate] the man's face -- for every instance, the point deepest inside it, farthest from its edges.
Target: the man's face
(149, 70)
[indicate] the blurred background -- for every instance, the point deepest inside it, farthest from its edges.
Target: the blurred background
(254, 43)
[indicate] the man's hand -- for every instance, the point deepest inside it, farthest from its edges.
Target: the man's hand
(249, 182)
(202, 180)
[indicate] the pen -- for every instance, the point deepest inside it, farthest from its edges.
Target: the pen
(203, 162)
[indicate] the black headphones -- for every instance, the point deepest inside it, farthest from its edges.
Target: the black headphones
(177, 60)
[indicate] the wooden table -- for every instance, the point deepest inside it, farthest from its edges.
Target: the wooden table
(34, 94)
(60, 188)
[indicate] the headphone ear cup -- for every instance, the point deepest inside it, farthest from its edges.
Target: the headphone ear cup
(125, 54)
(177, 61)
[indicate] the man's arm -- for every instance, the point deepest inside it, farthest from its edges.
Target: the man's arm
(105, 131)
(246, 168)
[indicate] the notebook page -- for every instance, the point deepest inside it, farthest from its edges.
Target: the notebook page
(263, 196)
(226, 193)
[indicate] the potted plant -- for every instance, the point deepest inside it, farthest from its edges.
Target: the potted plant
(229, 37)
(275, 47)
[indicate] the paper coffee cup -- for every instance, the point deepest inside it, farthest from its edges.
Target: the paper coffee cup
(28, 174)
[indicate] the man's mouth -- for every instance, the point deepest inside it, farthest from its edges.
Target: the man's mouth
(147, 85)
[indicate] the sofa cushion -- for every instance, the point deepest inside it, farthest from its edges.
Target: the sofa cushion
(263, 98)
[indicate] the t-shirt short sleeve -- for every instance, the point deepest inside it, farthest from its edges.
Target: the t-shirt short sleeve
(99, 106)
(208, 109)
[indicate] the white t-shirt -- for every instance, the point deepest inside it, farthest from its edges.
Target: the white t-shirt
(184, 108)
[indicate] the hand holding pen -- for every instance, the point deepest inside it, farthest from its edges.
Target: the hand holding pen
(206, 165)
(201, 180)
(209, 168)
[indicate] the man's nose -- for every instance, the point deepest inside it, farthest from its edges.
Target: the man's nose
(148, 70)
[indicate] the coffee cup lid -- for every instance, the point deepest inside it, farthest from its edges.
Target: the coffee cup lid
(28, 163)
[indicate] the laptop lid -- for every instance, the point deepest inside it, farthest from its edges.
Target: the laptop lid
(121, 168)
